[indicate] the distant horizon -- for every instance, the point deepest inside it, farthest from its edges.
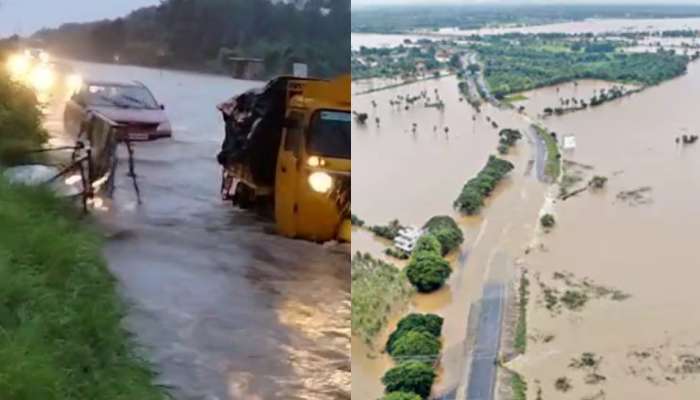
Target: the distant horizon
(357, 4)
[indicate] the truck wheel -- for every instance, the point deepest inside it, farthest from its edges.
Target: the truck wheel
(243, 197)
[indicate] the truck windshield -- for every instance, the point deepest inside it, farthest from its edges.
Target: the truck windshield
(329, 134)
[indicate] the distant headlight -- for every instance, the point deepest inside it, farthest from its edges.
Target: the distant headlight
(74, 82)
(18, 64)
(44, 57)
(320, 182)
(42, 78)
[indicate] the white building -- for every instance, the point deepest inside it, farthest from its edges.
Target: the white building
(407, 238)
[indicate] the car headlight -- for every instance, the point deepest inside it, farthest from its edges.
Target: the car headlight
(42, 78)
(320, 182)
(18, 64)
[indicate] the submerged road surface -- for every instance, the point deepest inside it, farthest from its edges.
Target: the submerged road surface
(223, 308)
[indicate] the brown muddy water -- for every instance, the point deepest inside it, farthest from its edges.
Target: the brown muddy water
(412, 177)
(223, 308)
(643, 246)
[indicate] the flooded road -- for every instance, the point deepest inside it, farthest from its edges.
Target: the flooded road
(223, 308)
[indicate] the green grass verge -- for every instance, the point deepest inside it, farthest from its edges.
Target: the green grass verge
(521, 327)
(60, 317)
(552, 166)
(519, 387)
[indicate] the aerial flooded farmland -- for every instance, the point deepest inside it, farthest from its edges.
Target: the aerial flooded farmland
(575, 276)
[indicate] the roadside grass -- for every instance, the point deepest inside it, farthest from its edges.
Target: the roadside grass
(521, 327)
(553, 164)
(60, 317)
(514, 98)
(519, 387)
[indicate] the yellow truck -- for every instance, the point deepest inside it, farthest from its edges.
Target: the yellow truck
(289, 142)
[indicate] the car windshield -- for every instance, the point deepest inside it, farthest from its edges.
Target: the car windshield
(119, 96)
(329, 135)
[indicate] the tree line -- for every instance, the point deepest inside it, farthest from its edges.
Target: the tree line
(200, 34)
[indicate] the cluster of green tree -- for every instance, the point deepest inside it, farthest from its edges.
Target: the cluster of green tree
(507, 139)
(356, 221)
(427, 270)
(20, 121)
(388, 231)
(511, 68)
(446, 231)
(414, 345)
(201, 34)
(471, 199)
(377, 288)
(474, 16)
(395, 61)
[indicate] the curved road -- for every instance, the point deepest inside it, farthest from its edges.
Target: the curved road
(223, 308)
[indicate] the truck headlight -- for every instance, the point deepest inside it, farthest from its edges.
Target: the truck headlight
(320, 182)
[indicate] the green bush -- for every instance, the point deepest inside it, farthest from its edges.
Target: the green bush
(20, 122)
(428, 271)
(411, 376)
(446, 231)
(415, 343)
(389, 231)
(356, 221)
(547, 221)
(429, 323)
(508, 138)
(471, 199)
(401, 396)
(428, 243)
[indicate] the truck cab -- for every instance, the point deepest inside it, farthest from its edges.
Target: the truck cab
(290, 142)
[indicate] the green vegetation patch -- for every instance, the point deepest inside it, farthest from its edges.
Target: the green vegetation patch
(521, 327)
(401, 396)
(60, 316)
(552, 166)
(377, 287)
(471, 199)
(519, 387)
(412, 377)
(20, 122)
(415, 345)
(519, 63)
(547, 221)
(446, 231)
(428, 323)
(388, 231)
(428, 271)
(428, 243)
(507, 139)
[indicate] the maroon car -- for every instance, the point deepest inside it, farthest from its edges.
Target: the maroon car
(130, 104)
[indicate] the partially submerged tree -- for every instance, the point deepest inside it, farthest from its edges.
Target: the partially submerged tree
(446, 231)
(410, 376)
(428, 271)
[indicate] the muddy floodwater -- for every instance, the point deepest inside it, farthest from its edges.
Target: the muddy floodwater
(612, 310)
(414, 176)
(637, 236)
(222, 307)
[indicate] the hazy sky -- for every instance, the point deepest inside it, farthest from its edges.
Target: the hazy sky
(27, 16)
(361, 3)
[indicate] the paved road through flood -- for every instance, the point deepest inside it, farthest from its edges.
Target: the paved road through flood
(223, 308)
